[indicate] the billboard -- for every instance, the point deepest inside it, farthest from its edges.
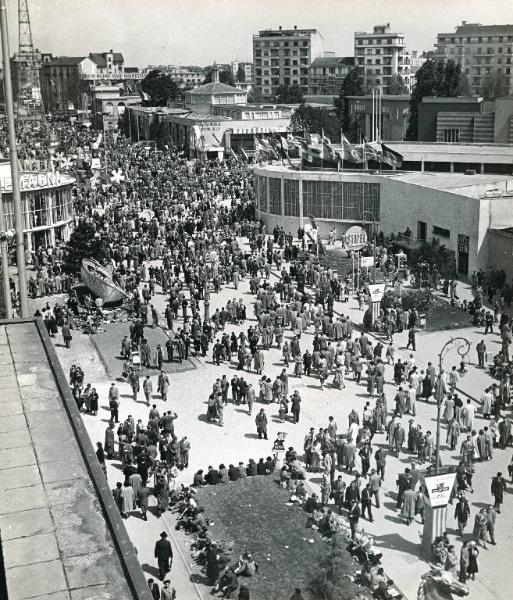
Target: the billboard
(439, 488)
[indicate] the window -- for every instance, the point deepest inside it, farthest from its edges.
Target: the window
(291, 198)
(440, 231)
(451, 135)
(275, 196)
(262, 191)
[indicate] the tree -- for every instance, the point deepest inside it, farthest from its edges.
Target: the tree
(495, 85)
(84, 243)
(430, 262)
(254, 96)
(436, 77)
(160, 87)
(241, 74)
(312, 119)
(396, 86)
(289, 94)
(352, 85)
(225, 76)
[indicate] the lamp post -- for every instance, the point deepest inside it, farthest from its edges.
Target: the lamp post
(462, 346)
(439, 481)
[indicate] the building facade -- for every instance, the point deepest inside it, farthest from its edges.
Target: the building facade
(68, 82)
(382, 56)
(461, 212)
(242, 73)
(47, 204)
(392, 120)
(466, 120)
(283, 57)
(327, 73)
(481, 50)
(184, 76)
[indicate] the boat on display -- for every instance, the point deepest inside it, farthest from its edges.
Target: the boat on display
(99, 280)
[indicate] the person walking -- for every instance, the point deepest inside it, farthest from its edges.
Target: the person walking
(261, 424)
(491, 515)
(462, 513)
(354, 516)
(164, 555)
(473, 553)
(366, 501)
(147, 389)
(66, 334)
(464, 561)
(142, 498)
(497, 488)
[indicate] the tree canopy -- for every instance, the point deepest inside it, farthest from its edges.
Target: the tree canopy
(396, 86)
(160, 87)
(289, 94)
(495, 85)
(84, 243)
(241, 74)
(436, 77)
(313, 119)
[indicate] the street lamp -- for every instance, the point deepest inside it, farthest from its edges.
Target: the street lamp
(439, 481)
(462, 346)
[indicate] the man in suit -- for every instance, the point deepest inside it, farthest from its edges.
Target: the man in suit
(164, 555)
(354, 517)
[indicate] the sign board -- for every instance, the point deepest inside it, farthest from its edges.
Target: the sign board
(355, 238)
(439, 488)
(34, 181)
(367, 261)
(376, 291)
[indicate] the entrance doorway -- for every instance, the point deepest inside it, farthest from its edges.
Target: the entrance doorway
(463, 250)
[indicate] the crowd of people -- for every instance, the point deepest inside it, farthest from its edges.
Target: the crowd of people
(189, 249)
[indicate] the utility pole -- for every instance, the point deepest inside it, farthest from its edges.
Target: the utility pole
(4, 249)
(13, 155)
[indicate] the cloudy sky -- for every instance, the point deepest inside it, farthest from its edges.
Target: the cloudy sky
(200, 31)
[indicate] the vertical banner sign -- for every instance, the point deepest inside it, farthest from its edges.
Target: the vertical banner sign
(439, 488)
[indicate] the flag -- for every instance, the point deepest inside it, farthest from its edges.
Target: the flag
(349, 152)
(391, 157)
(371, 153)
(329, 153)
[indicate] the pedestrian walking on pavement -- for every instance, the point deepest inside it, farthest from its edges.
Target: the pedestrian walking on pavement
(164, 555)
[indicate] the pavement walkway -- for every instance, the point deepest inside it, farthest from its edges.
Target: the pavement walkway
(237, 440)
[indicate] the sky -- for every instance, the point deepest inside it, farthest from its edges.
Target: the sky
(197, 32)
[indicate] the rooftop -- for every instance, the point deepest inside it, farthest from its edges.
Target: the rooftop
(215, 87)
(477, 28)
(333, 61)
(474, 186)
(65, 61)
(100, 58)
(476, 150)
(453, 100)
(61, 531)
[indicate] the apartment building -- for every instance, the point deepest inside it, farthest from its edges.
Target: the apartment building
(327, 73)
(380, 56)
(481, 50)
(283, 57)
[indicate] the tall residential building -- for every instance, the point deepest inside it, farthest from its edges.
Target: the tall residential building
(240, 67)
(381, 55)
(283, 57)
(480, 49)
(327, 73)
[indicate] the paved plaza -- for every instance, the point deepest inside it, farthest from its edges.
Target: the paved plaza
(238, 441)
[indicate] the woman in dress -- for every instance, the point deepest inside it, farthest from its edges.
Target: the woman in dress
(473, 553)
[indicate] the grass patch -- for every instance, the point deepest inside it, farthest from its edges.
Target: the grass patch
(252, 515)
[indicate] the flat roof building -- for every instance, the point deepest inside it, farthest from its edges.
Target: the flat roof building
(61, 533)
(460, 210)
(381, 56)
(282, 57)
(481, 50)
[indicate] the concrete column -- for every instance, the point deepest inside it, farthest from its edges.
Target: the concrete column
(422, 165)
(301, 203)
(482, 168)
(282, 201)
(452, 167)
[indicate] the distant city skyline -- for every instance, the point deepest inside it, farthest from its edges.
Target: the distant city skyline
(197, 32)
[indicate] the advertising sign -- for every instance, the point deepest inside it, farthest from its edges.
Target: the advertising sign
(367, 261)
(355, 238)
(439, 488)
(376, 291)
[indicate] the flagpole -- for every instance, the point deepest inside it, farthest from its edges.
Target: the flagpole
(372, 117)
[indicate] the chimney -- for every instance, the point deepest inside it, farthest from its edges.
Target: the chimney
(295, 26)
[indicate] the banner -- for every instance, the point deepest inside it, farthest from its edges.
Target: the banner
(439, 488)
(367, 261)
